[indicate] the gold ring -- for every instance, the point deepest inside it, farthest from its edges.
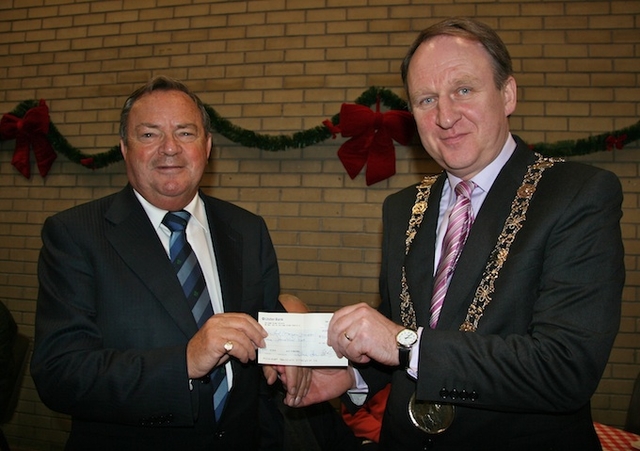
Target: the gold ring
(228, 346)
(346, 335)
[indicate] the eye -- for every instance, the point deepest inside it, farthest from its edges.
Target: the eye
(464, 91)
(428, 100)
(187, 135)
(425, 102)
(147, 136)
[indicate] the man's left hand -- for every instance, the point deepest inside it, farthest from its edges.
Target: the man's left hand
(361, 333)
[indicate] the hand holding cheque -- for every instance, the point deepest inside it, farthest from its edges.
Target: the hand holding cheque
(297, 339)
(327, 339)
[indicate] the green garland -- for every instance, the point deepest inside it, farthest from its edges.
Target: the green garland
(247, 138)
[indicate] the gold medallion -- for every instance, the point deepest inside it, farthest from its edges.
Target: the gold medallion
(431, 417)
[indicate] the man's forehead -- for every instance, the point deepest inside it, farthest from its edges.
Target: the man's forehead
(157, 103)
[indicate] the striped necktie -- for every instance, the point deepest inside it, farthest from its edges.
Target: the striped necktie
(460, 220)
(194, 286)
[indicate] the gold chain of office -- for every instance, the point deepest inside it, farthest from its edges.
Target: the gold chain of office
(498, 256)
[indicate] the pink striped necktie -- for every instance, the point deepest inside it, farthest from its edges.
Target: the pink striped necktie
(460, 220)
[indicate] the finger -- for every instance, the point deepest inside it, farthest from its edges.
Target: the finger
(304, 381)
(352, 345)
(293, 396)
(341, 342)
(343, 320)
(292, 373)
(270, 374)
(255, 332)
(336, 324)
(242, 322)
(240, 346)
(282, 374)
(327, 384)
(222, 336)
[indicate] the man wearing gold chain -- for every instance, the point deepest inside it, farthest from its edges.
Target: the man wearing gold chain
(507, 351)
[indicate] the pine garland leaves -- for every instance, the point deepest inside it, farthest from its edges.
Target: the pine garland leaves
(320, 133)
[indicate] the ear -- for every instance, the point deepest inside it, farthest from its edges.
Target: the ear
(123, 149)
(510, 95)
(209, 145)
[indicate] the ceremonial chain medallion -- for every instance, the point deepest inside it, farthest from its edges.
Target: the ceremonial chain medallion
(432, 417)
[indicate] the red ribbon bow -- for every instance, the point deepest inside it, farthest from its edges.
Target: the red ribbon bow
(617, 142)
(372, 139)
(29, 131)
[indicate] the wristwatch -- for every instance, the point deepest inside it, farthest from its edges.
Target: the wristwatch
(405, 339)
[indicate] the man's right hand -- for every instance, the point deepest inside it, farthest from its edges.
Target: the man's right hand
(222, 336)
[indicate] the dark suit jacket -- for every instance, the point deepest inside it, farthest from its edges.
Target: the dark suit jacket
(524, 379)
(112, 325)
(8, 364)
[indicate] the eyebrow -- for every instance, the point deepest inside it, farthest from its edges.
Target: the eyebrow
(465, 80)
(179, 126)
(147, 125)
(189, 125)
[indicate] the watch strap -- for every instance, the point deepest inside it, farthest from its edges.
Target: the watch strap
(404, 355)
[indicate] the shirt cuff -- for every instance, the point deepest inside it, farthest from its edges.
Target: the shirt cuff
(358, 395)
(412, 370)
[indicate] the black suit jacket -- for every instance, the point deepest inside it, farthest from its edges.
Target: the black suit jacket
(524, 379)
(8, 364)
(112, 325)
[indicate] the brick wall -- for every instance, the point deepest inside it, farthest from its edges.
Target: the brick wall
(282, 66)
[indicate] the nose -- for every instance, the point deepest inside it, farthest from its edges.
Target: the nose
(447, 114)
(169, 145)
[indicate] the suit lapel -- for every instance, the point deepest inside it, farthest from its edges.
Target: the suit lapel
(134, 239)
(420, 259)
(482, 238)
(227, 244)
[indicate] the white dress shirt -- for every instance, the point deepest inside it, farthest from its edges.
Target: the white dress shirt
(199, 237)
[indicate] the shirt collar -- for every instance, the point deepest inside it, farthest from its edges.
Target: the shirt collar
(155, 214)
(485, 178)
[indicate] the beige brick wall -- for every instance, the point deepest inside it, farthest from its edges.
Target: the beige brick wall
(280, 66)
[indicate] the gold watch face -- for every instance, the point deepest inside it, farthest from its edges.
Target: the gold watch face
(406, 337)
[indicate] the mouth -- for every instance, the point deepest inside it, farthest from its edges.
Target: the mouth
(169, 167)
(453, 139)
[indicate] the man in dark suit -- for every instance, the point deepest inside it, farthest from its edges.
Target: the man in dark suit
(511, 358)
(117, 346)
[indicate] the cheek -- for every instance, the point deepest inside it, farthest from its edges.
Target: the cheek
(139, 155)
(491, 108)
(198, 159)
(425, 121)
(427, 129)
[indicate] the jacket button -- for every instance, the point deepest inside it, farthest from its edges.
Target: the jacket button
(474, 395)
(219, 435)
(453, 393)
(444, 393)
(463, 394)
